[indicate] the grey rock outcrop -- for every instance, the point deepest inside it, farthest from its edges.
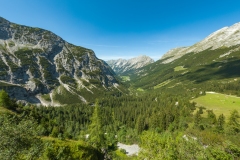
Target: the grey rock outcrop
(40, 62)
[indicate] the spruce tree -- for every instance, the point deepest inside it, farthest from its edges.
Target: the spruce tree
(96, 135)
(220, 123)
(233, 123)
(197, 120)
(5, 100)
(140, 124)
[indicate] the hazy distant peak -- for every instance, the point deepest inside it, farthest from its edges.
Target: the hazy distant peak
(122, 65)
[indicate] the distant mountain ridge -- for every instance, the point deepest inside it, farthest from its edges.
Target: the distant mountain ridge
(38, 66)
(210, 65)
(121, 66)
(225, 37)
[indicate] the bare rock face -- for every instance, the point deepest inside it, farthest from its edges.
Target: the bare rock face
(43, 66)
(225, 37)
(121, 66)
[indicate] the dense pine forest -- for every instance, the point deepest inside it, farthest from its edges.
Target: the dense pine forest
(166, 126)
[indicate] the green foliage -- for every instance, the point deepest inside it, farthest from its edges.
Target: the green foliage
(219, 154)
(162, 84)
(155, 146)
(95, 81)
(140, 124)
(211, 117)
(79, 51)
(67, 121)
(13, 66)
(66, 97)
(46, 68)
(46, 97)
(179, 68)
(233, 150)
(170, 146)
(140, 90)
(18, 139)
(120, 155)
(125, 78)
(68, 80)
(158, 113)
(25, 55)
(11, 44)
(220, 123)
(198, 120)
(233, 119)
(55, 132)
(55, 149)
(3, 66)
(5, 100)
(233, 123)
(96, 134)
(85, 83)
(2, 47)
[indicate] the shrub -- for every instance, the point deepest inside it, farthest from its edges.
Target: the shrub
(5, 100)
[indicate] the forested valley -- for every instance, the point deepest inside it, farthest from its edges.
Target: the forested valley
(166, 126)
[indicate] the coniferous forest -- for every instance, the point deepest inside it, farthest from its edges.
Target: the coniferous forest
(166, 126)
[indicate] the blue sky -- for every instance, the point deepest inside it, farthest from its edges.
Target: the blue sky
(125, 28)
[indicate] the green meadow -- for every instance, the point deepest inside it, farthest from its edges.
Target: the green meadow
(162, 84)
(219, 103)
(125, 78)
(179, 68)
(140, 89)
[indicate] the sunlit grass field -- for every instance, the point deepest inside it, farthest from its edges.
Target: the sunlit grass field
(179, 68)
(162, 84)
(125, 78)
(219, 103)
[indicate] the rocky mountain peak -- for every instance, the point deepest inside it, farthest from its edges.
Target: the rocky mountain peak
(224, 37)
(123, 65)
(37, 62)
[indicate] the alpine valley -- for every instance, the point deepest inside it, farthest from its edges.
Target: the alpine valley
(184, 106)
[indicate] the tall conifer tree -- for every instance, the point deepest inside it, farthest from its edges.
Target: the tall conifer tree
(96, 137)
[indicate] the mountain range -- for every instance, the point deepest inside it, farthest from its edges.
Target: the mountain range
(211, 64)
(37, 66)
(225, 37)
(122, 66)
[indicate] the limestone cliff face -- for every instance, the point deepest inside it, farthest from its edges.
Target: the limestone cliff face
(37, 62)
(121, 66)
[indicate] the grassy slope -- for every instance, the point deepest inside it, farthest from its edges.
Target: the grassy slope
(191, 74)
(219, 103)
(179, 68)
(125, 78)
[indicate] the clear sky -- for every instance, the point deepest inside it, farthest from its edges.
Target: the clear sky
(125, 28)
